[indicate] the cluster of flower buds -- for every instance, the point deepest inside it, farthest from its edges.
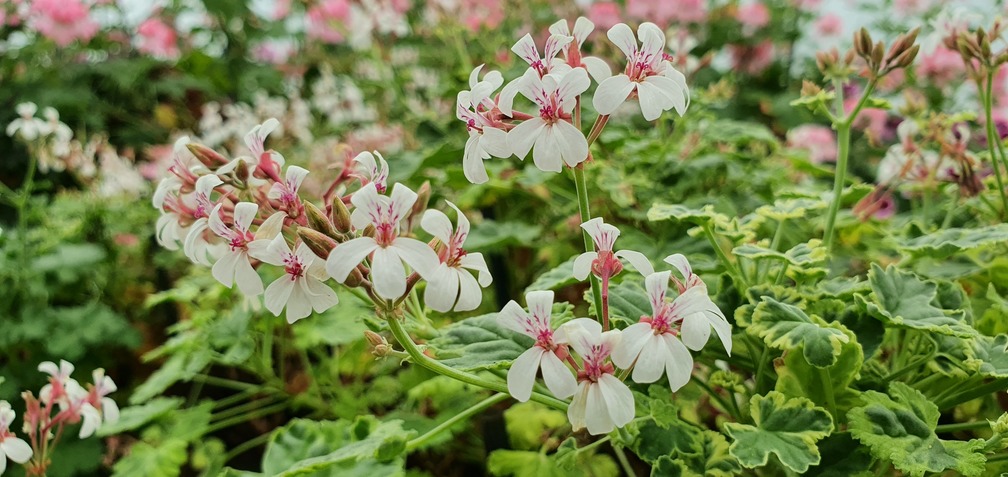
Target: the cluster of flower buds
(657, 345)
(976, 49)
(880, 62)
(63, 401)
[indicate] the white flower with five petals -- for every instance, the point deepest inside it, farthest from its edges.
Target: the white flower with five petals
(451, 285)
(555, 140)
(602, 402)
(657, 84)
(548, 353)
(300, 289)
(11, 446)
(486, 136)
(696, 328)
(596, 67)
(235, 266)
(604, 236)
(196, 246)
(538, 65)
(370, 170)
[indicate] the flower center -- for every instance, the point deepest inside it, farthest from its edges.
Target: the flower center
(294, 267)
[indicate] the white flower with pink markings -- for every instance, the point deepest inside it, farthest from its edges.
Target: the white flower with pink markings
(451, 285)
(649, 75)
(388, 250)
(235, 265)
(555, 140)
(11, 446)
(602, 402)
(486, 130)
(603, 262)
(286, 192)
(196, 246)
(300, 289)
(596, 67)
(539, 65)
(696, 328)
(369, 170)
(547, 354)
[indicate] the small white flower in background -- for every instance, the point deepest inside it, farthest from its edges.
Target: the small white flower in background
(300, 289)
(255, 140)
(450, 285)
(27, 126)
(556, 140)
(79, 404)
(103, 386)
(486, 134)
(388, 275)
(603, 262)
(539, 65)
(234, 266)
(548, 353)
(11, 446)
(652, 346)
(369, 170)
(196, 246)
(659, 86)
(287, 191)
(602, 402)
(596, 67)
(696, 328)
(59, 376)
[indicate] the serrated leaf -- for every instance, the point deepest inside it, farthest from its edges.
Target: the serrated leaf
(163, 460)
(491, 235)
(365, 447)
(682, 213)
(903, 300)
(798, 378)
(478, 343)
(558, 277)
(536, 464)
(628, 302)
(947, 242)
(786, 327)
(796, 208)
(993, 355)
(528, 422)
(842, 456)
(713, 461)
(786, 427)
(899, 427)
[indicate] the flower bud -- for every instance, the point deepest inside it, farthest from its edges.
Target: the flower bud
(355, 278)
(906, 58)
(318, 221)
(1000, 426)
(241, 174)
(809, 88)
(863, 43)
(369, 231)
(423, 198)
(340, 215)
(877, 54)
(379, 345)
(317, 241)
(207, 156)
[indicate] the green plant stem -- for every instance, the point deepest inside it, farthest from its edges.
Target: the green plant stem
(244, 408)
(731, 410)
(420, 359)
(843, 129)
(227, 383)
(973, 393)
(264, 411)
(827, 384)
(249, 444)
(993, 138)
(962, 426)
(729, 266)
(582, 194)
(419, 441)
(624, 462)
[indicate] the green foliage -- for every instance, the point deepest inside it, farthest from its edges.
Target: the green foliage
(786, 327)
(317, 448)
(824, 386)
(900, 427)
(904, 300)
(785, 427)
(947, 242)
(477, 343)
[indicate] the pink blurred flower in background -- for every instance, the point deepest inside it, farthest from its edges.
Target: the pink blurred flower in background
(753, 16)
(829, 24)
(942, 66)
(158, 39)
(63, 21)
(663, 12)
(476, 14)
(752, 60)
(604, 15)
(807, 5)
(818, 140)
(912, 7)
(327, 18)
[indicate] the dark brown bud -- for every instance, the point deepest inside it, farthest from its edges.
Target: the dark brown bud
(207, 156)
(317, 241)
(318, 221)
(340, 215)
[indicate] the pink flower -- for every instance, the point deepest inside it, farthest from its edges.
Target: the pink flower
(327, 20)
(753, 16)
(477, 14)
(818, 140)
(942, 66)
(807, 5)
(752, 60)
(158, 39)
(604, 15)
(63, 21)
(663, 12)
(912, 7)
(829, 24)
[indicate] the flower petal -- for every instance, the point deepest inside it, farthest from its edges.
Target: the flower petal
(246, 278)
(387, 273)
(679, 367)
(695, 331)
(622, 36)
(521, 376)
(656, 285)
(437, 224)
(470, 294)
(417, 254)
(619, 399)
(636, 260)
(634, 338)
(475, 261)
(347, 255)
(224, 269)
(16, 449)
(547, 153)
(277, 294)
(583, 263)
(442, 289)
(612, 92)
(523, 136)
(651, 360)
(557, 376)
(572, 143)
(320, 295)
(597, 417)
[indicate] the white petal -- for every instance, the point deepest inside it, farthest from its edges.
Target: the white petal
(526, 49)
(271, 227)
(540, 303)
(611, 93)
(582, 28)
(387, 273)
(16, 449)
(597, 417)
(347, 255)
(475, 261)
(695, 331)
(91, 420)
(572, 143)
(652, 38)
(246, 278)
(597, 68)
(494, 141)
(321, 296)
(523, 136)
(547, 152)
(557, 376)
(652, 102)
(403, 199)
(651, 360)
(634, 338)
(680, 364)
(619, 399)
(472, 160)
(514, 317)
(680, 263)
(416, 254)
(522, 374)
(110, 410)
(672, 94)
(244, 214)
(506, 99)
(577, 409)
(298, 305)
(721, 327)
(656, 285)
(572, 84)
(277, 294)
(224, 269)
(442, 289)
(583, 263)
(437, 224)
(470, 294)
(622, 36)
(636, 260)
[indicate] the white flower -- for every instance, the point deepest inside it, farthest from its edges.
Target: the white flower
(11, 447)
(300, 289)
(388, 275)
(196, 246)
(372, 170)
(556, 140)
(59, 376)
(540, 65)
(659, 86)
(234, 266)
(27, 125)
(603, 261)
(103, 386)
(450, 285)
(255, 140)
(602, 402)
(287, 191)
(486, 135)
(651, 346)
(548, 352)
(79, 404)
(696, 327)
(597, 68)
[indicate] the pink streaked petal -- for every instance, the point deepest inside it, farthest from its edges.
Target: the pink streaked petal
(657, 285)
(294, 177)
(680, 263)
(540, 306)
(652, 39)
(347, 255)
(244, 214)
(582, 28)
(526, 49)
(216, 223)
(622, 36)
(514, 317)
(462, 227)
(403, 199)
(554, 44)
(521, 376)
(571, 85)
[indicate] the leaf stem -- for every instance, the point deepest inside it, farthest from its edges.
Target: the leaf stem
(973, 393)
(624, 462)
(420, 441)
(729, 266)
(961, 426)
(992, 137)
(827, 384)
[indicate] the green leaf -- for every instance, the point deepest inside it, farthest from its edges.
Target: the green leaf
(364, 447)
(714, 460)
(628, 302)
(131, 418)
(903, 300)
(71, 255)
(528, 422)
(796, 208)
(560, 276)
(536, 464)
(947, 242)
(491, 235)
(682, 213)
(993, 355)
(162, 460)
(899, 427)
(478, 343)
(785, 427)
(785, 327)
(842, 457)
(798, 378)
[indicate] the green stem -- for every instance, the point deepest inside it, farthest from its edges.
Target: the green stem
(729, 266)
(827, 384)
(226, 383)
(624, 462)
(843, 129)
(264, 411)
(993, 138)
(420, 441)
(244, 408)
(731, 410)
(582, 195)
(961, 426)
(973, 393)
(424, 361)
(249, 444)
